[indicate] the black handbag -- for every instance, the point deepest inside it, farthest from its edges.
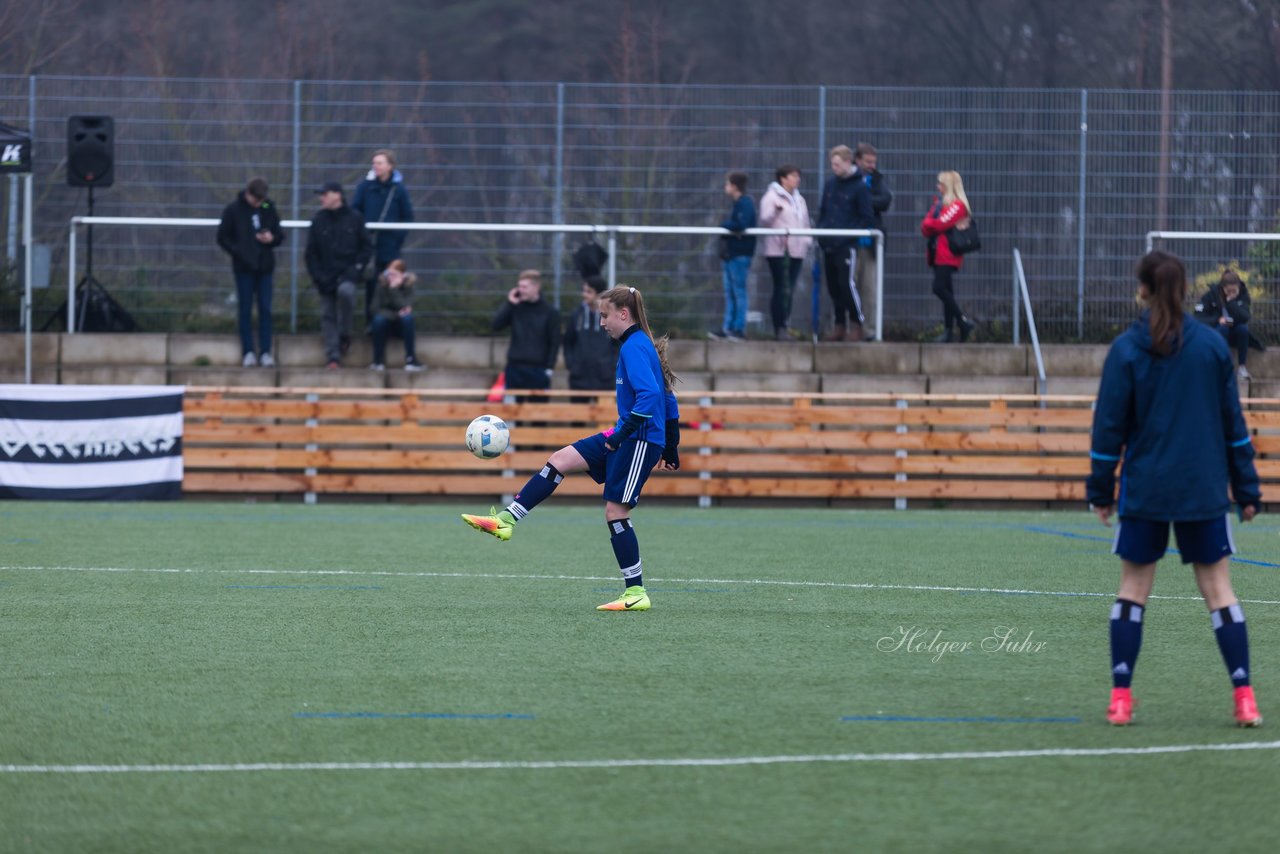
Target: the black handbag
(964, 241)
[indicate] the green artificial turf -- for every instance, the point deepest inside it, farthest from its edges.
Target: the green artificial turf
(203, 635)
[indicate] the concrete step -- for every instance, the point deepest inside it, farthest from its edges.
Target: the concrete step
(101, 349)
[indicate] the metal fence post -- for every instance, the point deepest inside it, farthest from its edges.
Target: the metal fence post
(815, 297)
(1084, 152)
(613, 258)
(557, 208)
(293, 201)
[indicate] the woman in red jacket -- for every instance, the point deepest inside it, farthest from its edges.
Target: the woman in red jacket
(950, 210)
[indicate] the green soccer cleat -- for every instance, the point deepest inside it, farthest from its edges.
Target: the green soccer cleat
(500, 523)
(632, 599)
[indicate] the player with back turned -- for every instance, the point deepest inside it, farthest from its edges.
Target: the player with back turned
(1168, 406)
(648, 430)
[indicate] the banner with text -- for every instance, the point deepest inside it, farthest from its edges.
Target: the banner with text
(62, 442)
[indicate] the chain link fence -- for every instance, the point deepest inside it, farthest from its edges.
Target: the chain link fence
(1072, 178)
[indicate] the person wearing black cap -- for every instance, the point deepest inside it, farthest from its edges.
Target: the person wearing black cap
(338, 249)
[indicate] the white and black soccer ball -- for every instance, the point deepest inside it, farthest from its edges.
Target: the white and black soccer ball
(488, 436)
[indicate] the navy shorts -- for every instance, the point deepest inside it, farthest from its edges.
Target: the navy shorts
(1145, 540)
(624, 471)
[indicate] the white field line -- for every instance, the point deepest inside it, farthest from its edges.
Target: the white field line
(725, 761)
(844, 585)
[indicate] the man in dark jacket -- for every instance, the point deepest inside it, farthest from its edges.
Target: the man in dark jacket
(249, 231)
(338, 249)
(846, 203)
(1226, 308)
(736, 250)
(865, 159)
(535, 333)
(382, 197)
(590, 353)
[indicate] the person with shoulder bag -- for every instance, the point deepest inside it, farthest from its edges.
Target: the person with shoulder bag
(382, 197)
(949, 216)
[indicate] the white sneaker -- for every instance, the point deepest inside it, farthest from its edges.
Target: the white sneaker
(250, 360)
(267, 361)
(1243, 373)
(413, 365)
(377, 366)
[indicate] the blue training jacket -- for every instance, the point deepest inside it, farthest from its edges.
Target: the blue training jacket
(1176, 422)
(642, 388)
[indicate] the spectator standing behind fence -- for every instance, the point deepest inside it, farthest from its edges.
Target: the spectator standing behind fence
(782, 206)
(950, 210)
(736, 250)
(1226, 308)
(865, 159)
(590, 353)
(846, 203)
(338, 249)
(393, 304)
(249, 232)
(382, 197)
(535, 333)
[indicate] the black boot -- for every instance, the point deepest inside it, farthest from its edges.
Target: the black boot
(966, 327)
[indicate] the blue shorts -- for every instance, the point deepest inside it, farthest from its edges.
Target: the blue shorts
(624, 471)
(1145, 540)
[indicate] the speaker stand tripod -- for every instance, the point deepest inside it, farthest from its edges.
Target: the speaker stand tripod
(89, 291)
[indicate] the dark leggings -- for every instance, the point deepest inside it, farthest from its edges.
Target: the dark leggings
(784, 271)
(944, 290)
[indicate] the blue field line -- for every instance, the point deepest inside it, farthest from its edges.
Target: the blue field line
(499, 716)
(301, 587)
(1036, 529)
(980, 719)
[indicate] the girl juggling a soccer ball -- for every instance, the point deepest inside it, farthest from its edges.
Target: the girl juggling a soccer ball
(1168, 407)
(647, 431)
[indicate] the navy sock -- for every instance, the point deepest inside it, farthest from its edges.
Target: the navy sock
(537, 490)
(1126, 640)
(626, 548)
(1233, 640)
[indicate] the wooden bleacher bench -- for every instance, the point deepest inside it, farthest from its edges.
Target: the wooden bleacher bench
(748, 445)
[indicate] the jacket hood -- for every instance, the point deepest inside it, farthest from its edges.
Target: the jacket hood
(396, 177)
(1141, 329)
(775, 187)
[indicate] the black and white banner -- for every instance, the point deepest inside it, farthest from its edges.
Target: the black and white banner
(90, 442)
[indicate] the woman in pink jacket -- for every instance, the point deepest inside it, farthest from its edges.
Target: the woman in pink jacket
(782, 206)
(950, 210)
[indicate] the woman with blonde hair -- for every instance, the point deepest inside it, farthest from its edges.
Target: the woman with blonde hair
(951, 210)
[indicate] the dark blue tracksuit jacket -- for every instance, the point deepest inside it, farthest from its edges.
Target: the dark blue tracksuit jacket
(642, 389)
(1176, 422)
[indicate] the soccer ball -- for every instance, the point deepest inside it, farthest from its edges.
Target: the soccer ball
(488, 436)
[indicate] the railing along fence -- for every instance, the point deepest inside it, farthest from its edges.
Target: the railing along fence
(610, 233)
(1071, 177)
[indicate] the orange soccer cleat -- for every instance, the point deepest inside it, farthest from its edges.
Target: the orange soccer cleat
(497, 522)
(1120, 712)
(1247, 713)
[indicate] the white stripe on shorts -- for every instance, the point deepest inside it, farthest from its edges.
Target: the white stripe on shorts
(633, 474)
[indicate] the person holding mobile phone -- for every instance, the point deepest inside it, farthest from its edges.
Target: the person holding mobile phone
(249, 232)
(535, 333)
(1225, 307)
